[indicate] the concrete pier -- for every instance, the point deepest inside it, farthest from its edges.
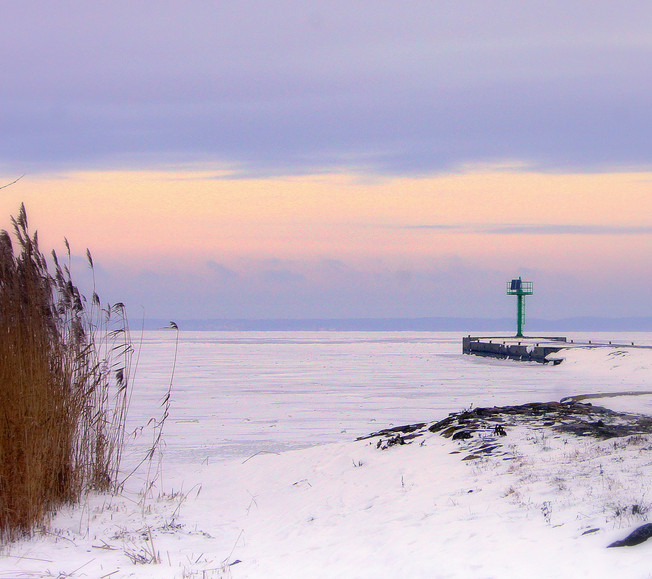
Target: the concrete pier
(529, 349)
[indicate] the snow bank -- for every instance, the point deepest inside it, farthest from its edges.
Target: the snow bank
(623, 375)
(352, 510)
(618, 364)
(348, 509)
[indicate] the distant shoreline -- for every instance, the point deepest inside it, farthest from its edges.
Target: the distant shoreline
(432, 324)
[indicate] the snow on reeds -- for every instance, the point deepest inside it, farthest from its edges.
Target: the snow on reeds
(64, 373)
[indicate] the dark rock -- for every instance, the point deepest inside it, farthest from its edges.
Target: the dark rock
(442, 424)
(462, 435)
(395, 429)
(499, 430)
(398, 439)
(489, 448)
(636, 537)
(571, 417)
(449, 431)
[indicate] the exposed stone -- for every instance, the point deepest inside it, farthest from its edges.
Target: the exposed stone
(462, 435)
(571, 417)
(636, 537)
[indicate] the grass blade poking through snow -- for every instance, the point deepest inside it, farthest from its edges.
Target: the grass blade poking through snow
(157, 441)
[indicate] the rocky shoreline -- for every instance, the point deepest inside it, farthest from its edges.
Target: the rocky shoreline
(484, 430)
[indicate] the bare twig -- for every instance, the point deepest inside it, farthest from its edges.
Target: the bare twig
(13, 182)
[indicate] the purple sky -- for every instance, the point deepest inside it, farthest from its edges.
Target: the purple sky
(374, 90)
(278, 87)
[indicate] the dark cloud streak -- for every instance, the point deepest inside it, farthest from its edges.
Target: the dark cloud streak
(538, 229)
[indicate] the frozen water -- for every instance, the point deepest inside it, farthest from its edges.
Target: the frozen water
(349, 509)
(238, 393)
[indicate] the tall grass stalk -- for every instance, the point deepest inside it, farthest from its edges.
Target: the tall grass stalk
(64, 381)
(157, 442)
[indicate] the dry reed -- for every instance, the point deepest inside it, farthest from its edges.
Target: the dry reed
(64, 377)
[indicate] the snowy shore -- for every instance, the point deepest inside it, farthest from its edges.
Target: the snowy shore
(546, 506)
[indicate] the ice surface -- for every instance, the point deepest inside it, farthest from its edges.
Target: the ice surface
(227, 503)
(235, 394)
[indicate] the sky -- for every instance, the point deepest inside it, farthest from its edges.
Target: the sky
(336, 159)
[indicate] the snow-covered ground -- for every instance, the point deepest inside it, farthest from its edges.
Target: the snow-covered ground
(261, 476)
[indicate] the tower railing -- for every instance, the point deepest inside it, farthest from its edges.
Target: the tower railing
(519, 287)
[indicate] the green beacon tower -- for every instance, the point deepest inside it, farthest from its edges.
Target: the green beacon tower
(520, 289)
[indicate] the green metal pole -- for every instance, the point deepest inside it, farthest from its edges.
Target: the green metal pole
(519, 315)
